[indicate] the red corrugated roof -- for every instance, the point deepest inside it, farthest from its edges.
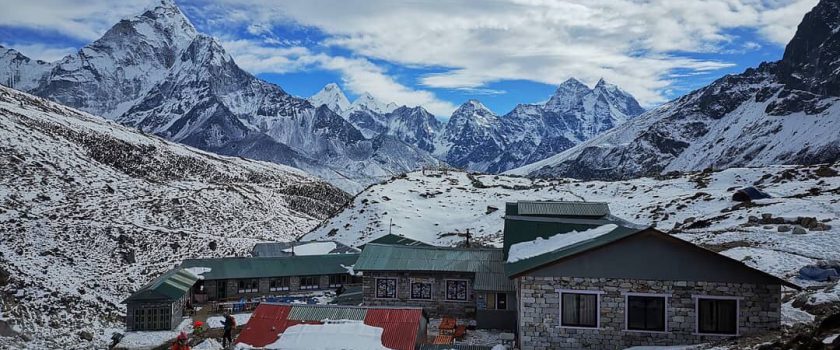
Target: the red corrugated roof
(399, 326)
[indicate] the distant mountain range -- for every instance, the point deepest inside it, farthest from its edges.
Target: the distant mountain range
(157, 73)
(474, 138)
(784, 112)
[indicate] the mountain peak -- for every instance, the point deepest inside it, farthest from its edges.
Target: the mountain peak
(572, 83)
(367, 101)
(333, 97)
(811, 61)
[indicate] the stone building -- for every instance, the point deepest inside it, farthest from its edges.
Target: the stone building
(602, 284)
(159, 305)
(235, 278)
(459, 282)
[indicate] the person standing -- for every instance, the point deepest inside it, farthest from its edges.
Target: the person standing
(229, 322)
(181, 343)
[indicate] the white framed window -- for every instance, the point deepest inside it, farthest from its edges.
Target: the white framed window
(646, 312)
(279, 284)
(386, 288)
(580, 308)
(717, 315)
(248, 286)
(456, 290)
(421, 289)
(310, 282)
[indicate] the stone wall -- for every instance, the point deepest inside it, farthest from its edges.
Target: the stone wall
(436, 307)
(539, 312)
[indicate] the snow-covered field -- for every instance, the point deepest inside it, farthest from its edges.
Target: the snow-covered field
(436, 207)
(90, 211)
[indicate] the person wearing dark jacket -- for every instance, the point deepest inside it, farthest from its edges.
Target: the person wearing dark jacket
(229, 322)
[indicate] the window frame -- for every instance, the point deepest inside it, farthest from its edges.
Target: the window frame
(597, 294)
(717, 297)
(666, 297)
(244, 283)
(316, 278)
(376, 288)
(342, 280)
(285, 286)
(431, 284)
(466, 290)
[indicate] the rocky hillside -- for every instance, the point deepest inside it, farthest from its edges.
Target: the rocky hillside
(157, 73)
(91, 210)
(785, 112)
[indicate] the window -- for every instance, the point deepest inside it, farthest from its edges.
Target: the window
(386, 288)
(279, 284)
(496, 301)
(579, 309)
(310, 282)
(339, 280)
(248, 286)
(646, 313)
(456, 290)
(717, 316)
(421, 289)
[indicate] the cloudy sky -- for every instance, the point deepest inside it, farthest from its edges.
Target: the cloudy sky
(439, 53)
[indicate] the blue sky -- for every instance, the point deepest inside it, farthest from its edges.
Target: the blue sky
(439, 54)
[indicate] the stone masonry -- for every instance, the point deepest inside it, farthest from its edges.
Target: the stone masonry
(436, 307)
(759, 311)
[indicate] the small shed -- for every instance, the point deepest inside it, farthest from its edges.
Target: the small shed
(748, 194)
(159, 305)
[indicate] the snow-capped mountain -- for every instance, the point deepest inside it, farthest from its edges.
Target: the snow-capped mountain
(157, 73)
(91, 210)
(784, 112)
(477, 139)
(332, 97)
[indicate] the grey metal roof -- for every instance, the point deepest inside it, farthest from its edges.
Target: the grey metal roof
(253, 267)
(277, 249)
(493, 282)
(396, 240)
(171, 285)
(563, 208)
(384, 257)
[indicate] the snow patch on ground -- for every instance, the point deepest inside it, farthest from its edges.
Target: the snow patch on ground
(530, 249)
(346, 335)
(216, 321)
(792, 315)
(153, 339)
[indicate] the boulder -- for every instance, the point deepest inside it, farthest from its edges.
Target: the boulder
(85, 335)
(798, 230)
(784, 228)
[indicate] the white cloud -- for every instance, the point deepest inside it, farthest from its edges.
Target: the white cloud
(636, 44)
(80, 19)
(40, 51)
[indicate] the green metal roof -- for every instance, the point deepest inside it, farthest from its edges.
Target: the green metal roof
(258, 267)
(324, 312)
(518, 267)
(519, 228)
(172, 285)
(397, 240)
(384, 257)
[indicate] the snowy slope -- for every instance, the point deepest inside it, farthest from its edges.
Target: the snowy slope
(155, 72)
(90, 211)
(785, 112)
(439, 208)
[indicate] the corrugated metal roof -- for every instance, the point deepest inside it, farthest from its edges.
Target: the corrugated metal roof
(320, 313)
(399, 325)
(172, 285)
(397, 240)
(515, 268)
(253, 267)
(562, 208)
(277, 249)
(382, 257)
(493, 282)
